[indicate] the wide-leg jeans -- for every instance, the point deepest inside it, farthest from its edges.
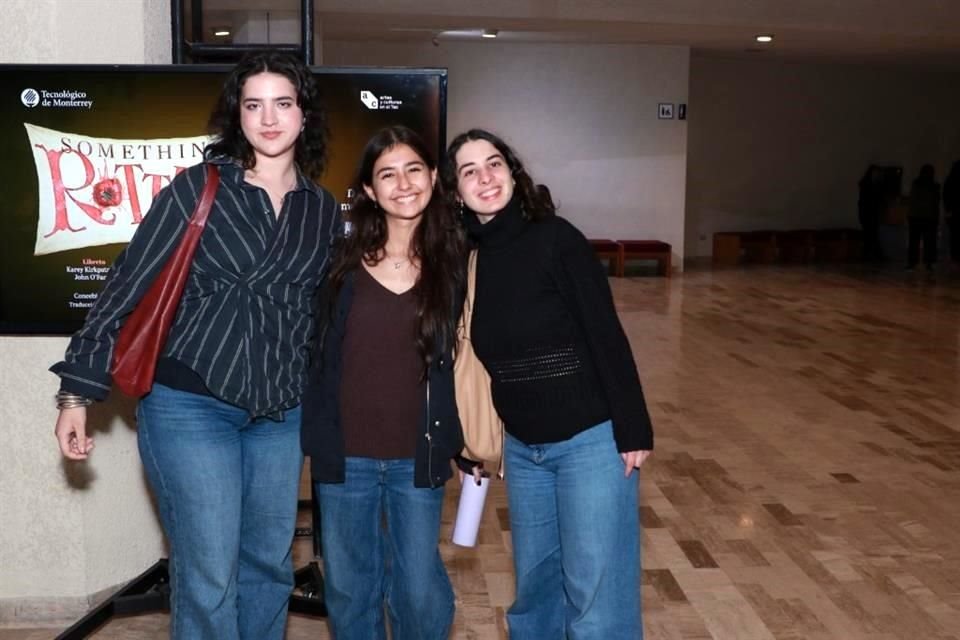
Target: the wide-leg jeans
(380, 546)
(574, 522)
(227, 489)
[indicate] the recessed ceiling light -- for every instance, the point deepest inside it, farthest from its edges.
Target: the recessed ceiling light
(489, 33)
(764, 38)
(221, 33)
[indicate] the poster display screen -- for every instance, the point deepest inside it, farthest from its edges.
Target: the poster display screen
(85, 149)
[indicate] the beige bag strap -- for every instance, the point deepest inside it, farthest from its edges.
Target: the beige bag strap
(471, 293)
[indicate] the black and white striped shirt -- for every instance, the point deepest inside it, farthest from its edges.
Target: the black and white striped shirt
(246, 316)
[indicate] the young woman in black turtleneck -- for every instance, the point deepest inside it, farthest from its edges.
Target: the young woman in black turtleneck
(565, 383)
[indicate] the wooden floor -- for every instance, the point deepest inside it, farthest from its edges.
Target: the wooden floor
(806, 481)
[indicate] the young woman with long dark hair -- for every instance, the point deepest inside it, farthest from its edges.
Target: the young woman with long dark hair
(380, 417)
(565, 383)
(219, 434)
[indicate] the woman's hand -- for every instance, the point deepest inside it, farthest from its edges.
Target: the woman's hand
(71, 432)
(466, 466)
(633, 460)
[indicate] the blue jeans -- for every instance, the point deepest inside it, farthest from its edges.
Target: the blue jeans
(227, 488)
(574, 522)
(360, 574)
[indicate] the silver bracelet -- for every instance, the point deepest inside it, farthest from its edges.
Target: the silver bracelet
(67, 400)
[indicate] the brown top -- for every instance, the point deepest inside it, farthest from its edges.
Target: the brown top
(381, 393)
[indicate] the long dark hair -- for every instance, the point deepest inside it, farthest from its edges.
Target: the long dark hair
(311, 148)
(438, 243)
(535, 201)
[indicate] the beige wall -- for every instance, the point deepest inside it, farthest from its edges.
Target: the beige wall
(70, 530)
(777, 145)
(583, 118)
(86, 31)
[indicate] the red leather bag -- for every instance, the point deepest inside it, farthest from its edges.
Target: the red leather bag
(145, 332)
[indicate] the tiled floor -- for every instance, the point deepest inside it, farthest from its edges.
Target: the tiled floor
(806, 480)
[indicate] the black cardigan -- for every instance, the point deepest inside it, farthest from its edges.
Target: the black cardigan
(322, 437)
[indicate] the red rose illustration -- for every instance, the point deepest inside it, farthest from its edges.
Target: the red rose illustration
(108, 192)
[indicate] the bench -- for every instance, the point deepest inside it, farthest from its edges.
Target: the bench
(759, 246)
(837, 245)
(726, 247)
(648, 250)
(794, 245)
(612, 251)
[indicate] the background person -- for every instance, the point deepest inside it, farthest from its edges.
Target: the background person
(923, 218)
(951, 205)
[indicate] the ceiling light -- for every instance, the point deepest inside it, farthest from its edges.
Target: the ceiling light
(489, 33)
(764, 38)
(221, 33)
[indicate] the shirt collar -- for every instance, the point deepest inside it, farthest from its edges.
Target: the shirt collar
(232, 170)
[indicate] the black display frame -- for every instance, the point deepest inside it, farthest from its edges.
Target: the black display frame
(21, 327)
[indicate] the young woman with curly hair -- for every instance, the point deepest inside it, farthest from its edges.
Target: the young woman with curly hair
(219, 433)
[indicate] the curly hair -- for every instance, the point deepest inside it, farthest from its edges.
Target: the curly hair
(535, 200)
(311, 148)
(438, 243)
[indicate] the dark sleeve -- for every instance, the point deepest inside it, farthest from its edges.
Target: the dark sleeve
(584, 286)
(85, 368)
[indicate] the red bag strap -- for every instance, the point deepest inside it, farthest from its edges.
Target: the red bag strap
(202, 212)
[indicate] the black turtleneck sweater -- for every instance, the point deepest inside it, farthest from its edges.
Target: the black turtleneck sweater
(545, 327)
